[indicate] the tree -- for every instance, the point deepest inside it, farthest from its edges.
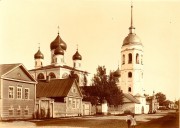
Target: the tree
(177, 102)
(166, 103)
(103, 87)
(161, 98)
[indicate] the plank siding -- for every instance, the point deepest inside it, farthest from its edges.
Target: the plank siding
(16, 103)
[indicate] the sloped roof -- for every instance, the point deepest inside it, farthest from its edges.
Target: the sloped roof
(131, 98)
(5, 68)
(54, 88)
(138, 95)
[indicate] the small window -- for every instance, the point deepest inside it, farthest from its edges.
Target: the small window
(62, 60)
(77, 103)
(18, 112)
(74, 64)
(26, 93)
(137, 58)
(129, 74)
(130, 58)
(11, 92)
(123, 59)
(19, 92)
(74, 104)
(74, 89)
(26, 111)
(142, 59)
(11, 112)
(52, 75)
(70, 102)
(129, 89)
(40, 76)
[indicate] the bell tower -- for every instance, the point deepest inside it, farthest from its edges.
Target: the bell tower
(132, 62)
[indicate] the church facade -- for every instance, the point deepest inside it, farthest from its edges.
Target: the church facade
(130, 76)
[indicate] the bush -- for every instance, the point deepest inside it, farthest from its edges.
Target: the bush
(127, 112)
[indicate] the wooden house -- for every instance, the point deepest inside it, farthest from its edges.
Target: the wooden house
(17, 92)
(58, 98)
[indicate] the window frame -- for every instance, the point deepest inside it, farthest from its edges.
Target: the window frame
(18, 112)
(26, 110)
(40, 76)
(74, 103)
(129, 74)
(130, 59)
(12, 92)
(137, 58)
(17, 93)
(28, 94)
(11, 109)
(123, 60)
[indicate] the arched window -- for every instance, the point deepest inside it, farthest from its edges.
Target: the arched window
(130, 58)
(141, 59)
(129, 74)
(123, 59)
(40, 76)
(137, 58)
(129, 89)
(52, 75)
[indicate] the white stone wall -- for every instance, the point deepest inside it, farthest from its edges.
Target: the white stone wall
(136, 81)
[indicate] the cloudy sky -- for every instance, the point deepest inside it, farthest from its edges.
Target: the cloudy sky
(99, 28)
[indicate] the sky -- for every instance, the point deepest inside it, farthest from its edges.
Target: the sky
(98, 27)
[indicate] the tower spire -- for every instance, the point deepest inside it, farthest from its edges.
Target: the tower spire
(39, 46)
(77, 47)
(131, 28)
(58, 29)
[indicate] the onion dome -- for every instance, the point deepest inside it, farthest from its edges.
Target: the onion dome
(132, 38)
(38, 55)
(58, 41)
(77, 56)
(117, 73)
(59, 51)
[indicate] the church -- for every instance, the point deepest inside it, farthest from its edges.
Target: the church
(58, 68)
(129, 78)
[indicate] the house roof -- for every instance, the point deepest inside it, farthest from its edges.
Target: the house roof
(138, 95)
(6, 68)
(55, 87)
(131, 98)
